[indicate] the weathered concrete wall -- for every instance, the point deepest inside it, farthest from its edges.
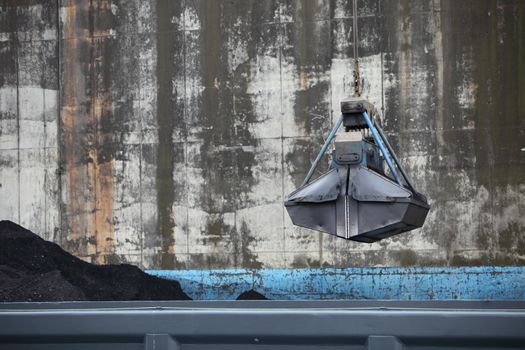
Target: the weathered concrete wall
(168, 133)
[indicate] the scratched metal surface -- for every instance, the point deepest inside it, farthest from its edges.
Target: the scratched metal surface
(168, 133)
(400, 284)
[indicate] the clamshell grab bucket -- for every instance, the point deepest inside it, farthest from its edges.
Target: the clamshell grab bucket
(356, 199)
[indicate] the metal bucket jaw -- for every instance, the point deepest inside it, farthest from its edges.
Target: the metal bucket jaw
(356, 203)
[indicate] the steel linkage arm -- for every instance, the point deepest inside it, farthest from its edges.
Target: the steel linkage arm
(323, 150)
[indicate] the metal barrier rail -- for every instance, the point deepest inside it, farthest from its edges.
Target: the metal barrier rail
(262, 325)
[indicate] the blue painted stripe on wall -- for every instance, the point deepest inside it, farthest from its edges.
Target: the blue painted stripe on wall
(436, 283)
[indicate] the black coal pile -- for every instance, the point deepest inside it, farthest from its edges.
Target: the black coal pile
(251, 295)
(32, 269)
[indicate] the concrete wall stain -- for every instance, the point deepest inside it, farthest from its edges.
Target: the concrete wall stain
(182, 125)
(75, 133)
(227, 150)
(88, 136)
(103, 153)
(167, 120)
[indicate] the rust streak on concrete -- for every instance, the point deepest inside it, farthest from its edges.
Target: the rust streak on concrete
(72, 122)
(303, 77)
(102, 178)
(102, 152)
(87, 146)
